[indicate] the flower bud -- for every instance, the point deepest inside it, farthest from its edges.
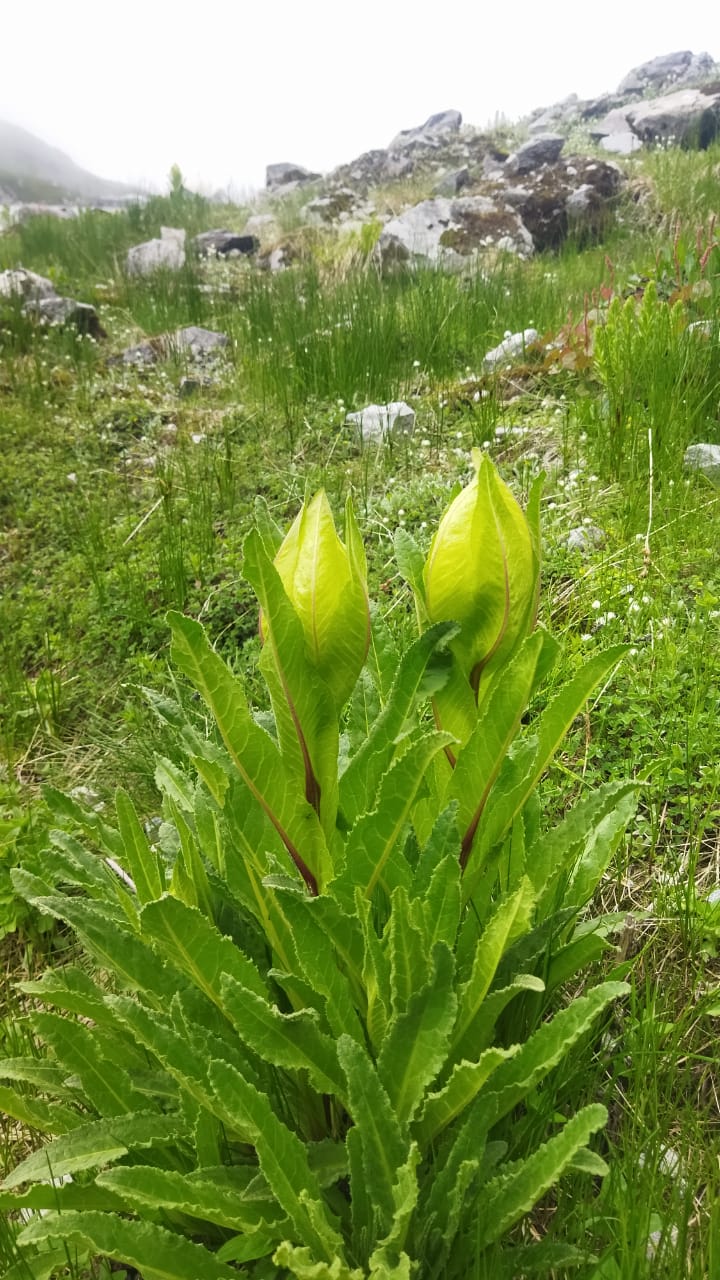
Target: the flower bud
(325, 581)
(482, 571)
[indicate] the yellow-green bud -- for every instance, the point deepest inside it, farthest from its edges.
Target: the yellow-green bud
(326, 582)
(482, 572)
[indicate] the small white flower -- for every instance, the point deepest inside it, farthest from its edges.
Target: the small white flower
(72, 477)
(596, 605)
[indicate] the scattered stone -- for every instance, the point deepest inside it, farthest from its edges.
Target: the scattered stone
(197, 343)
(189, 386)
(585, 538)
(450, 232)
(378, 421)
(338, 206)
(689, 117)
(280, 175)
(431, 133)
(543, 149)
(262, 223)
(222, 243)
(614, 134)
(141, 354)
(66, 311)
(577, 194)
(22, 283)
(515, 344)
(704, 458)
(451, 183)
(678, 68)
(547, 119)
(168, 253)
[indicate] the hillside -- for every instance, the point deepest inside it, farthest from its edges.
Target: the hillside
(30, 170)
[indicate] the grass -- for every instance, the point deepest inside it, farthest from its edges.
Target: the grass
(121, 498)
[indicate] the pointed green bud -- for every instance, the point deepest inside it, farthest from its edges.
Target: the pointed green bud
(325, 581)
(482, 571)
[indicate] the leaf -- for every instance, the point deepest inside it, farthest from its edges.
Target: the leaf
(95, 1144)
(389, 1260)
(579, 841)
(406, 949)
(415, 680)
(466, 1081)
(106, 1085)
(518, 1188)
(513, 916)
(441, 906)
(46, 1117)
(324, 960)
(139, 858)
(304, 1266)
(143, 1187)
(375, 837)
(37, 1266)
(416, 1044)
(292, 1041)
(375, 974)
(188, 940)
(157, 1253)
(60, 1196)
(443, 841)
(255, 755)
(283, 1159)
(383, 1149)
(511, 789)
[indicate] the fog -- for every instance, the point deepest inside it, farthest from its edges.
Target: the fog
(129, 89)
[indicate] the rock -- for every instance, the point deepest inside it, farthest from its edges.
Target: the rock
(22, 212)
(197, 343)
(690, 117)
(514, 344)
(451, 231)
(22, 283)
(66, 311)
(260, 223)
(548, 119)
(704, 458)
(168, 253)
(584, 538)
(669, 69)
(576, 194)
(188, 386)
(378, 421)
(543, 149)
(337, 206)
(222, 243)
(451, 183)
(430, 133)
(614, 134)
(140, 355)
(279, 175)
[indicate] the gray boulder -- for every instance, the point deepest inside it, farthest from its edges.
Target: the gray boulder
(221, 243)
(509, 349)
(577, 195)
(197, 343)
(585, 538)
(167, 253)
(704, 458)
(450, 184)
(691, 117)
(376, 422)
(614, 134)
(66, 311)
(283, 173)
(25, 284)
(431, 133)
(452, 231)
(682, 67)
(543, 149)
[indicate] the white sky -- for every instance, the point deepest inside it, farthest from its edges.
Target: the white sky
(223, 87)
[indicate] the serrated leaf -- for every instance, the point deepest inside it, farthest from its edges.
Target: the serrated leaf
(375, 974)
(105, 1085)
(283, 1159)
(416, 1044)
(518, 1188)
(37, 1266)
(323, 956)
(92, 1145)
(139, 858)
(142, 1187)
(255, 755)
(464, 1084)
(292, 1040)
(302, 1264)
(46, 1117)
(157, 1253)
(442, 901)
(382, 1147)
(360, 781)
(406, 948)
(192, 944)
(442, 842)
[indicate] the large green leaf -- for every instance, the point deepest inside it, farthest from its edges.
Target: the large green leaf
(283, 1159)
(322, 952)
(416, 1043)
(383, 1148)
(417, 677)
(375, 974)
(99, 1143)
(157, 1253)
(46, 1117)
(303, 1264)
(466, 1081)
(292, 1041)
(519, 1187)
(406, 947)
(139, 860)
(190, 943)
(105, 1085)
(143, 1187)
(255, 755)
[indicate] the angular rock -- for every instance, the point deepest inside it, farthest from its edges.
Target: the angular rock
(22, 283)
(704, 458)
(221, 243)
(561, 113)
(577, 195)
(279, 175)
(168, 253)
(378, 421)
(691, 117)
(451, 231)
(260, 223)
(66, 311)
(682, 67)
(614, 134)
(584, 538)
(430, 133)
(543, 149)
(452, 183)
(515, 344)
(197, 343)
(336, 206)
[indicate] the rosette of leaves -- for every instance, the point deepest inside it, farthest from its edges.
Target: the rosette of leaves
(311, 1021)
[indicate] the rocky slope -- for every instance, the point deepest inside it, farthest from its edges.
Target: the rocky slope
(31, 170)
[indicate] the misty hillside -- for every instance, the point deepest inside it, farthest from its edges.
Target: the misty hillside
(30, 169)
